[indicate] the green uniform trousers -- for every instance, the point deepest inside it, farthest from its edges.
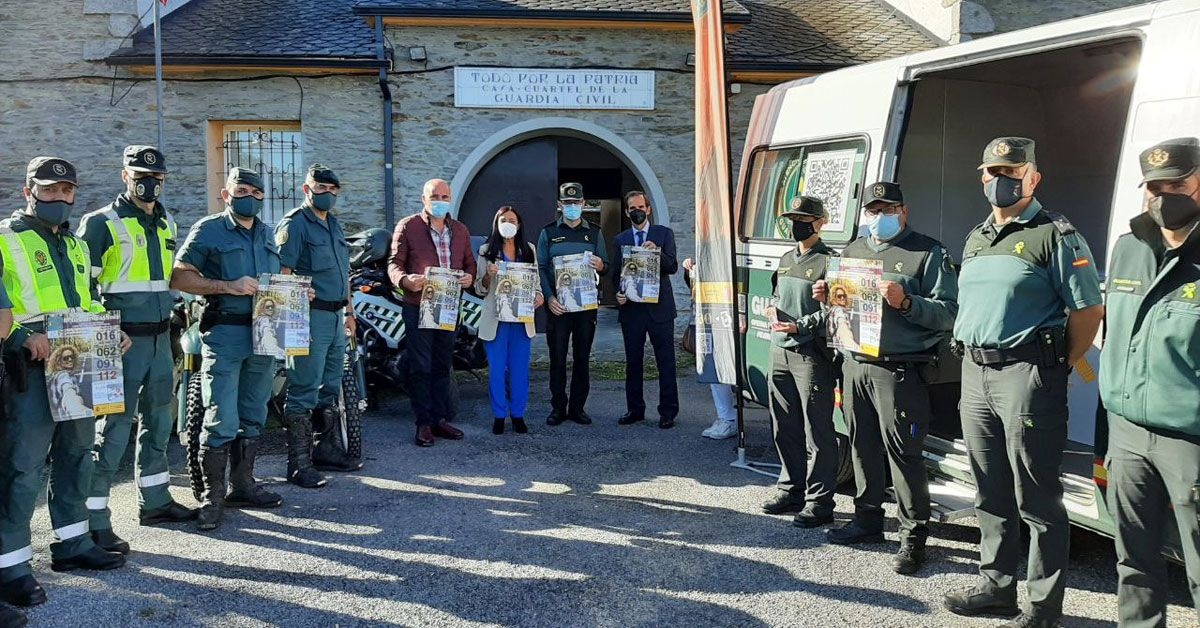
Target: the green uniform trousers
(236, 385)
(1152, 478)
(1014, 420)
(149, 379)
(27, 434)
(887, 410)
(802, 423)
(316, 378)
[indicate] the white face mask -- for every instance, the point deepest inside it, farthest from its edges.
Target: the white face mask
(507, 230)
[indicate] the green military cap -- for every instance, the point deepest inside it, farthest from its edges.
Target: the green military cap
(1008, 151)
(570, 192)
(1172, 159)
(885, 191)
(322, 174)
(244, 175)
(50, 170)
(805, 206)
(145, 159)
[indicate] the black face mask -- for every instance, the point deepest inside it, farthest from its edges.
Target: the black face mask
(802, 231)
(1173, 211)
(147, 189)
(1003, 191)
(638, 216)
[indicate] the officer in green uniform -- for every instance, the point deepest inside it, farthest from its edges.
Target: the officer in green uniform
(132, 245)
(1029, 307)
(311, 243)
(219, 260)
(884, 399)
(46, 270)
(8, 616)
(802, 375)
(1148, 382)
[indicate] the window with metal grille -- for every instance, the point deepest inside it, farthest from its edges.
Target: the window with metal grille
(274, 150)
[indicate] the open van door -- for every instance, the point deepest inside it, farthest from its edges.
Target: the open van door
(822, 136)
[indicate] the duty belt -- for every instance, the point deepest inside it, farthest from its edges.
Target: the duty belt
(1028, 352)
(904, 358)
(211, 319)
(146, 329)
(328, 306)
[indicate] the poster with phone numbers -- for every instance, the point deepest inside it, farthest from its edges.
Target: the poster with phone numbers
(84, 373)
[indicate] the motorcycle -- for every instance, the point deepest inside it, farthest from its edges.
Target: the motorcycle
(381, 330)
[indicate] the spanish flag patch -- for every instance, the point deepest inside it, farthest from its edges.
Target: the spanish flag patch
(1081, 262)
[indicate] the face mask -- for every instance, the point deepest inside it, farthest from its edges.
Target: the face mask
(53, 213)
(1003, 191)
(147, 189)
(802, 231)
(1173, 211)
(246, 206)
(638, 216)
(572, 212)
(886, 226)
(508, 230)
(439, 209)
(324, 201)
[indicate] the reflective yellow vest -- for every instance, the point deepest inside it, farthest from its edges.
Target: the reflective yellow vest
(126, 264)
(31, 278)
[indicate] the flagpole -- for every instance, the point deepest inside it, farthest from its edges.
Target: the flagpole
(158, 79)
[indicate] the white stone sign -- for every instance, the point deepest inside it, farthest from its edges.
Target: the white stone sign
(539, 88)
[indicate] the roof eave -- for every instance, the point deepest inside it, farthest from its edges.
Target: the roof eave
(589, 16)
(733, 64)
(243, 61)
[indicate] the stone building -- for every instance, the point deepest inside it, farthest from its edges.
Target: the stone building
(505, 98)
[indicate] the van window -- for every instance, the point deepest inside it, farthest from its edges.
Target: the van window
(831, 171)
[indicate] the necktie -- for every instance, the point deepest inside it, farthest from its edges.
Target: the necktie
(639, 236)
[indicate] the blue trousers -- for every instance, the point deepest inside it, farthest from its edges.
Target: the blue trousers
(317, 377)
(430, 353)
(508, 362)
(236, 385)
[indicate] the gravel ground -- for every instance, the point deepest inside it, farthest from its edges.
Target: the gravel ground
(568, 526)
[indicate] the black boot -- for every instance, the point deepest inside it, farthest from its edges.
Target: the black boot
(213, 461)
(497, 426)
(519, 425)
(910, 558)
(329, 454)
(244, 492)
(12, 618)
(300, 470)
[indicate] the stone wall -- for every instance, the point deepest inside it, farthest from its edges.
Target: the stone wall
(1010, 16)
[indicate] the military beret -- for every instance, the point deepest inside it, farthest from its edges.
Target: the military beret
(1008, 151)
(885, 191)
(50, 170)
(244, 175)
(570, 192)
(322, 174)
(1172, 159)
(805, 206)
(145, 159)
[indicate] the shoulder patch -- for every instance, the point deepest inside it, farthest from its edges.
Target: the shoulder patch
(281, 236)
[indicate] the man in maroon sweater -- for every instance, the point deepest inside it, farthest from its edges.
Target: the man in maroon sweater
(430, 239)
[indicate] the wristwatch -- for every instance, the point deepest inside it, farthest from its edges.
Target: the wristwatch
(906, 304)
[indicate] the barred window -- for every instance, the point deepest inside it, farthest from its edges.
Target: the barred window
(273, 149)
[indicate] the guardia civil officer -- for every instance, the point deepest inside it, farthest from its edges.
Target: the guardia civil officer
(802, 374)
(1029, 307)
(1148, 383)
(132, 245)
(46, 271)
(219, 260)
(884, 399)
(9, 617)
(311, 243)
(573, 331)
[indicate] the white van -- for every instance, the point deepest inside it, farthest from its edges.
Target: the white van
(1092, 92)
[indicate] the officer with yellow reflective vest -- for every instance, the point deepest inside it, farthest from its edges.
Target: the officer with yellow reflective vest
(46, 271)
(1148, 381)
(311, 243)
(9, 617)
(1029, 307)
(132, 245)
(220, 260)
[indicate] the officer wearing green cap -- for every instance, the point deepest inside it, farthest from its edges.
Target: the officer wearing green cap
(8, 616)
(132, 245)
(45, 271)
(311, 243)
(1029, 308)
(219, 260)
(802, 374)
(1148, 383)
(884, 399)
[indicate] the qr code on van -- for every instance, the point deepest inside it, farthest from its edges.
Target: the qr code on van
(828, 176)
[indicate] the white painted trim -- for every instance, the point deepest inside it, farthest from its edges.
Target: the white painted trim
(69, 532)
(158, 479)
(561, 127)
(97, 503)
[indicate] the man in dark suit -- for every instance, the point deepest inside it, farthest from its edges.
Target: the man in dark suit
(656, 320)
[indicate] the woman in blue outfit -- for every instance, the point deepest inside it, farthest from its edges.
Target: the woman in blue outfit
(507, 344)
